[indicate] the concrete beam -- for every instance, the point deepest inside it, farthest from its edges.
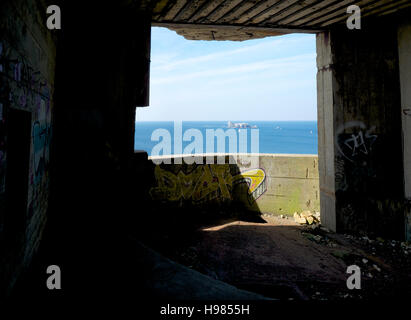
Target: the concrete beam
(192, 31)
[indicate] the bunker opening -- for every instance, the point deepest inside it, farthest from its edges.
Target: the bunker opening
(230, 137)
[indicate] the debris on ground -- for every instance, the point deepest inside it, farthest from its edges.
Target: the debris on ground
(307, 217)
(385, 264)
(317, 238)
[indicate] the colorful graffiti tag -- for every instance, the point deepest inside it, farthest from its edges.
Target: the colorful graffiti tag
(206, 183)
(256, 181)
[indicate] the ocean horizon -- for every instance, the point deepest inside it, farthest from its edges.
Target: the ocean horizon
(281, 137)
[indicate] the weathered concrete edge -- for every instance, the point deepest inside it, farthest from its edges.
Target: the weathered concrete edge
(169, 279)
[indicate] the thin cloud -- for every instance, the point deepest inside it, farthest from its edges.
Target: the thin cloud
(271, 78)
(166, 65)
(289, 63)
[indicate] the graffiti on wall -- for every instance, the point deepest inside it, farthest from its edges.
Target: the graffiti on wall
(27, 89)
(357, 144)
(40, 146)
(355, 150)
(206, 183)
(256, 181)
(41, 134)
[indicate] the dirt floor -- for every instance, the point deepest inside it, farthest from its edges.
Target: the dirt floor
(280, 259)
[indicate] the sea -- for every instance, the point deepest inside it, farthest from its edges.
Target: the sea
(283, 137)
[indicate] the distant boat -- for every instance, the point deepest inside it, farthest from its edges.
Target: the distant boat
(311, 132)
(242, 125)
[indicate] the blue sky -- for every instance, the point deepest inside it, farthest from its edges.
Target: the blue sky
(265, 79)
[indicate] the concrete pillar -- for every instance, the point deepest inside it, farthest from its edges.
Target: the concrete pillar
(326, 130)
(404, 45)
(102, 76)
(359, 123)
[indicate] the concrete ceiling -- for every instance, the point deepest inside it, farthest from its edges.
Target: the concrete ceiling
(250, 19)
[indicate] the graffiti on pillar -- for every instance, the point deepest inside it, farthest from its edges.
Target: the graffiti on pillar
(368, 196)
(205, 183)
(353, 166)
(358, 144)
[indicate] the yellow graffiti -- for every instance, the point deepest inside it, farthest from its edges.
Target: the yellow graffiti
(205, 183)
(255, 178)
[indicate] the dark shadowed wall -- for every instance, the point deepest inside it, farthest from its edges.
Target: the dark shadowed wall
(27, 67)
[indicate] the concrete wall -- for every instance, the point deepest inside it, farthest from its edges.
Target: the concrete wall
(360, 150)
(404, 43)
(280, 184)
(27, 64)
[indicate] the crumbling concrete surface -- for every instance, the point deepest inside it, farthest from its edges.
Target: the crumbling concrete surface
(223, 33)
(283, 260)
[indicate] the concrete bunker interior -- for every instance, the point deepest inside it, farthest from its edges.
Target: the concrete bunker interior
(78, 89)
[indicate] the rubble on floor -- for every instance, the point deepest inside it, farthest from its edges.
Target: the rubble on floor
(385, 264)
(307, 217)
(282, 259)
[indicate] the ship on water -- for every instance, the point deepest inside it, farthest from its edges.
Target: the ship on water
(240, 125)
